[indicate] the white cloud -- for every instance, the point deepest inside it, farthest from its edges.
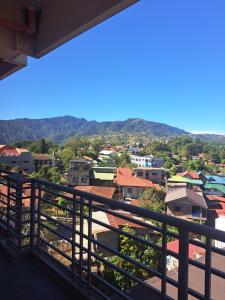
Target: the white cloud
(207, 132)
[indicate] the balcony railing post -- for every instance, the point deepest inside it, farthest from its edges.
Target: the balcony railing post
(81, 235)
(208, 267)
(19, 199)
(39, 216)
(183, 264)
(74, 235)
(32, 213)
(164, 243)
(8, 210)
(89, 240)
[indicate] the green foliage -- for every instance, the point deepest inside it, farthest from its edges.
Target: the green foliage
(138, 252)
(51, 174)
(153, 199)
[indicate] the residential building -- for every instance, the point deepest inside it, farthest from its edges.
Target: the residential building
(107, 157)
(103, 176)
(196, 281)
(16, 158)
(186, 203)
(216, 179)
(147, 161)
(156, 175)
(130, 187)
(189, 181)
(44, 160)
(107, 236)
(214, 189)
(102, 191)
(79, 172)
(195, 252)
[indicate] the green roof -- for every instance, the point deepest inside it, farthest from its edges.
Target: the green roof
(181, 179)
(104, 176)
(215, 186)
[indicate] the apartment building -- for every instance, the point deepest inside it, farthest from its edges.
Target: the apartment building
(16, 158)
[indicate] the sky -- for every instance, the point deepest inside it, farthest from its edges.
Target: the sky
(158, 60)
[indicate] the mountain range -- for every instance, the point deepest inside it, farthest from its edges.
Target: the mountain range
(58, 129)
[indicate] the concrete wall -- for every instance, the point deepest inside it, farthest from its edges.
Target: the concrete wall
(185, 206)
(24, 161)
(132, 192)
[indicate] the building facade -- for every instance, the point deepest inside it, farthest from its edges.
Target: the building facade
(79, 172)
(16, 158)
(147, 161)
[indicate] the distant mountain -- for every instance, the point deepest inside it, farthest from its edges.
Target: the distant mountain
(58, 129)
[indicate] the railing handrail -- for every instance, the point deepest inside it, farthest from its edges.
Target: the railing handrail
(212, 233)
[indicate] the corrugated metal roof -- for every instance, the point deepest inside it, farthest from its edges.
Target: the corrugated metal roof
(184, 192)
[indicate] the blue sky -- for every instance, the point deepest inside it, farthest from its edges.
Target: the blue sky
(158, 60)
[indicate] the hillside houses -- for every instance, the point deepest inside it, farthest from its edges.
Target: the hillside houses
(131, 187)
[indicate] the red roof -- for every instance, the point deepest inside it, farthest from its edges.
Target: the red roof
(103, 191)
(120, 222)
(215, 198)
(193, 249)
(11, 151)
(124, 178)
(189, 174)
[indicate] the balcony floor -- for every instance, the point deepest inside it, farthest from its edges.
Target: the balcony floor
(23, 278)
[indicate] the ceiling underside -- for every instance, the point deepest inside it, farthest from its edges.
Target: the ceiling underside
(35, 27)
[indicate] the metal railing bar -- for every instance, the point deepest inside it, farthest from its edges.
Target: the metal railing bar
(112, 287)
(120, 231)
(127, 258)
(56, 233)
(125, 273)
(130, 219)
(56, 249)
(56, 205)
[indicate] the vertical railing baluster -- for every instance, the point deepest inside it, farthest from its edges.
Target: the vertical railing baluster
(183, 264)
(81, 235)
(39, 216)
(19, 198)
(208, 266)
(32, 213)
(74, 236)
(89, 239)
(164, 247)
(8, 211)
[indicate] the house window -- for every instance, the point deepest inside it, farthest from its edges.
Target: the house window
(130, 190)
(13, 161)
(139, 174)
(25, 161)
(83, 180)
(196, 211)
(154, 174)
(177, 208)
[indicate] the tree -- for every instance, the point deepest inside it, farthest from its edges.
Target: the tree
(138, 252)
(51, 174)
(153, 199)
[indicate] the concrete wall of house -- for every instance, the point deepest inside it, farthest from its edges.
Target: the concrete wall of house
(39, 163)
(24, 161)
(156, 176)
(220, 224)
(132, 192)
(185, 208)
(108, 238)
(79, 173)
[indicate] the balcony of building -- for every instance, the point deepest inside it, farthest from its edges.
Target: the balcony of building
(61, 243)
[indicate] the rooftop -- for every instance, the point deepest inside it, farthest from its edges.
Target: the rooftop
(184, 192)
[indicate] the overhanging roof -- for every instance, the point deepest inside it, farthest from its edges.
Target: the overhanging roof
(35, 27)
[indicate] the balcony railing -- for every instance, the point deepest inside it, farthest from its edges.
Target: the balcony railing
(82, 232)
